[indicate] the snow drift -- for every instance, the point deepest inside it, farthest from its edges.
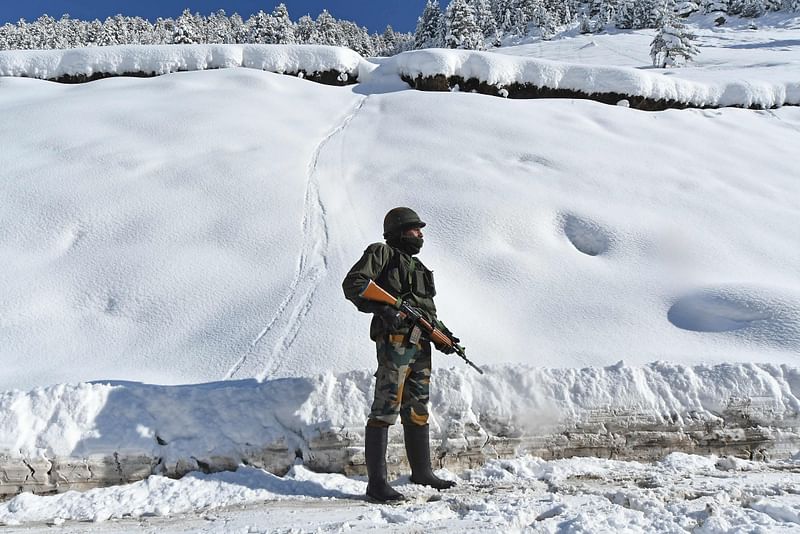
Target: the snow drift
(86, 435)
(82, 64)
(195, 227)
(434, 69)
(158, 243)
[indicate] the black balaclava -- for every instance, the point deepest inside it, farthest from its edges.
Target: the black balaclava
(408, 244)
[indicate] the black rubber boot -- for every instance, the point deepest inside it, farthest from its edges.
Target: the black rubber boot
(375, 439)
(418, 450)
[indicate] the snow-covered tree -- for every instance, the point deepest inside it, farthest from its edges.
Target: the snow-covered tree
(259, 28)
(238, 29)
(686, 8)
(283, 29)
(711, 6)
(69, 32)
(462, 30)
(306, 30)
(356, 38)
(589, 25)
(113, 32)
(8, 36)
(504, 16)
(187, 29)
(673, 42)
(604, 11)
(638, 14)
(218, 28)
(484, 17)
(547, 20)
(163, 30)
(328, 32)
(747, 8)
(141, 31)
(403, 42)
(430, 30)
(753, 8)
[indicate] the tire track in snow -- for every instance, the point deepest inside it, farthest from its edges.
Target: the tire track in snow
(311, 267)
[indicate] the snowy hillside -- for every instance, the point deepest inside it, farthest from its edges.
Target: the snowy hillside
(628, 279)
(196, 226)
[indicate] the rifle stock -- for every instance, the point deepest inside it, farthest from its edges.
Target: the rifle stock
(376, 293)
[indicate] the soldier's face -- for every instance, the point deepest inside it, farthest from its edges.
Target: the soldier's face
(413, 232)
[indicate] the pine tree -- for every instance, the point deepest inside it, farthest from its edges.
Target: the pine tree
(238, 29)
(672, 42)
(163, 30)
(503, 12)
(389, 39)
(283, 29)
(523, 13)
(711, 6)
(753, 8)
(186, 29)
(462, 30)
(607, 11)
(7, 41)
(484, 17)
(259, 28)
(218, 28)
(306, 30)
(113, 32)
(356, 38)
(547, 20)
(430, 30)
(140, 31)
(638, 14)
(403, 43)
(328, 32)
(67, 32)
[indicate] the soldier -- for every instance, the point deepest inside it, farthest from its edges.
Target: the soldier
(404, 357)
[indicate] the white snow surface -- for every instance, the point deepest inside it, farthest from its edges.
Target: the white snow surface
(231, 418)
(196, 226)
(568, 63)
(678, 494)
(503, 70)
(163, 59)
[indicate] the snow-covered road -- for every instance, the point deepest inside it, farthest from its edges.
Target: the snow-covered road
(678, 494)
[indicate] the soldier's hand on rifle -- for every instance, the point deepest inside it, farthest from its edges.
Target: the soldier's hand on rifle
(392, 318)
(446, 349)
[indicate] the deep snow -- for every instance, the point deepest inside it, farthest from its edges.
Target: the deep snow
(149, 241)
(234, 419)
(678, 494)
(195, 227)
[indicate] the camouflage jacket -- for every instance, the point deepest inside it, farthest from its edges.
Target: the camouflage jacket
(400, 274)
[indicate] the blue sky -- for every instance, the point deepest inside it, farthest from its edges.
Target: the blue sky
(374, 14)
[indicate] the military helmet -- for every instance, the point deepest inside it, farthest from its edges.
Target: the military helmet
(399, 219)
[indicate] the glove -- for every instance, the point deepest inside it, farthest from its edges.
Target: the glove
(446, 331)
(391, 318)
(445, 349)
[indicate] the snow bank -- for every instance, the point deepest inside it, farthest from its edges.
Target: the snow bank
(160, 496)
(320, 419)
(678, 494)
(493, 73)
(503, 71)
(163, 59)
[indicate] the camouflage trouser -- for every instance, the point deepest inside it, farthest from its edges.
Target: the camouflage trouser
(402, 382)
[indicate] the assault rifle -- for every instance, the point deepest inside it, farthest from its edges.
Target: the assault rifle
(376, 293)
